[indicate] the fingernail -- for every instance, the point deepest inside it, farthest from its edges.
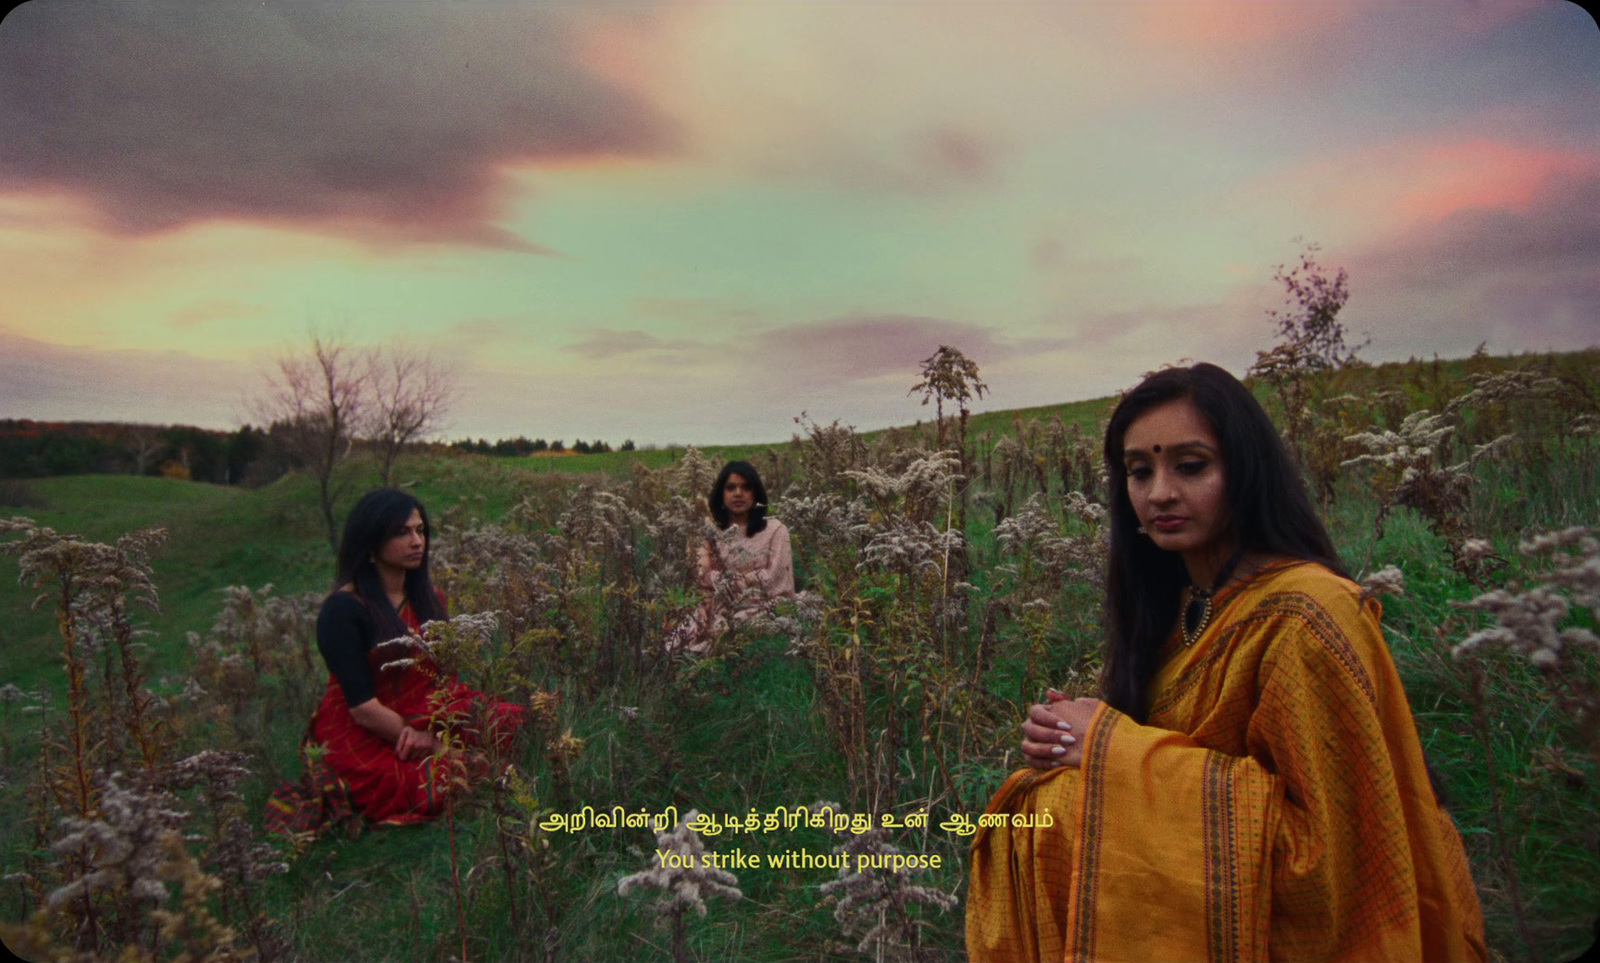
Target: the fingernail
(1055, 764)
(1058, 750)
(1063, 726)
(1068, 740)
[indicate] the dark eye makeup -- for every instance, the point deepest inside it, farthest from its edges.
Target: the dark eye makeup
(1192, 466)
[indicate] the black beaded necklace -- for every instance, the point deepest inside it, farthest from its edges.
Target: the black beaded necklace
(1196, 614)
(1197, 608)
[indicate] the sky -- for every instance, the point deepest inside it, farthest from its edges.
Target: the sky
(689, 222)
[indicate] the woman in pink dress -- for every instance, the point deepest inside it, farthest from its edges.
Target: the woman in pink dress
(744, 568)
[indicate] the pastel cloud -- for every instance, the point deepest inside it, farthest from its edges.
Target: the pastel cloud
(1485, 174)
(897, 98)
(54, 382)
(827, 353)
(212, 309)
(1424, 179)
(866, 348)
(1235, 27)
(1520, 275)
(386, 121)
(1234, 44)
(605, 343)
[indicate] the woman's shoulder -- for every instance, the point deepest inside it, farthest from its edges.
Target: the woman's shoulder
(776, 526)
(1294, 576)
(1307, 601)
(344, 604)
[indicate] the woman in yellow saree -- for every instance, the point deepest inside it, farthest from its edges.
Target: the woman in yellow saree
(1252, 786)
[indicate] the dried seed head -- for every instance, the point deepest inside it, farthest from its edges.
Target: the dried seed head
(681, 874)
(1385, 581)
(875, 902)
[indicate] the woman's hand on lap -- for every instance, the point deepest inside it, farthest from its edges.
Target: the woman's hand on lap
(415, 743)
(1052, 731)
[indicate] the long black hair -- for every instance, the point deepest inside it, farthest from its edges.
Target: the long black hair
(758, 511)
(380, 515)
(1268, 510)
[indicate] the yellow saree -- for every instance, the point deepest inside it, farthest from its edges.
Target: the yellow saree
(1275, 807)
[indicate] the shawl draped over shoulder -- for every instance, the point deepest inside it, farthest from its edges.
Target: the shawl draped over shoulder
(1276, 806)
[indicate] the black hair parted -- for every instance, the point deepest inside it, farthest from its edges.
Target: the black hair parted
(758, 512)
(380, 515)
(1269, 512)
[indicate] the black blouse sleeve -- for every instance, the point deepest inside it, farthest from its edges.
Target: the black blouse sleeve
(345, 633)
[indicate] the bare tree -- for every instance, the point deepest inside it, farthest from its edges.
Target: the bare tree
(316, 400)
(410, 395)
(144, 445)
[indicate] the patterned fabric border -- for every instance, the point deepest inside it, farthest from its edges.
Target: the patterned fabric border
(1222, 873)
(1089, 843)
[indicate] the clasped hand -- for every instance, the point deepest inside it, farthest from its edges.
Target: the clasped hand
(415, 743)
(1052, 733)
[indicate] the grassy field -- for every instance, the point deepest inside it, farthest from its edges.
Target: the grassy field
(758, 726)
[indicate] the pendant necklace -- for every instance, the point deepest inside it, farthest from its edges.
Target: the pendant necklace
(1196, 614)
(1197, 610)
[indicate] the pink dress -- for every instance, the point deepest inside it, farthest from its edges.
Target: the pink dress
(741, 576)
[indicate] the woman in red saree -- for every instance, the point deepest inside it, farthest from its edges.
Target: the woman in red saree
(380, 723)
(1251, 786)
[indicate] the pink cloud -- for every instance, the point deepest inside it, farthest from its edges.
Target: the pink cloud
(1521, 275)
(212, 309)
(1232, 25)
(1484, 174)
(1423, 179)
(387, 122)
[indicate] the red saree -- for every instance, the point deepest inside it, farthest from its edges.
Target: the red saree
(356, 772)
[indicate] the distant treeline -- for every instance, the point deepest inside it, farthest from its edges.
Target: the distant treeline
(248, 456)
(35, 449)
(523, 446)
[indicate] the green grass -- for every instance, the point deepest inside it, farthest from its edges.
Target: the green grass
(217, 536)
